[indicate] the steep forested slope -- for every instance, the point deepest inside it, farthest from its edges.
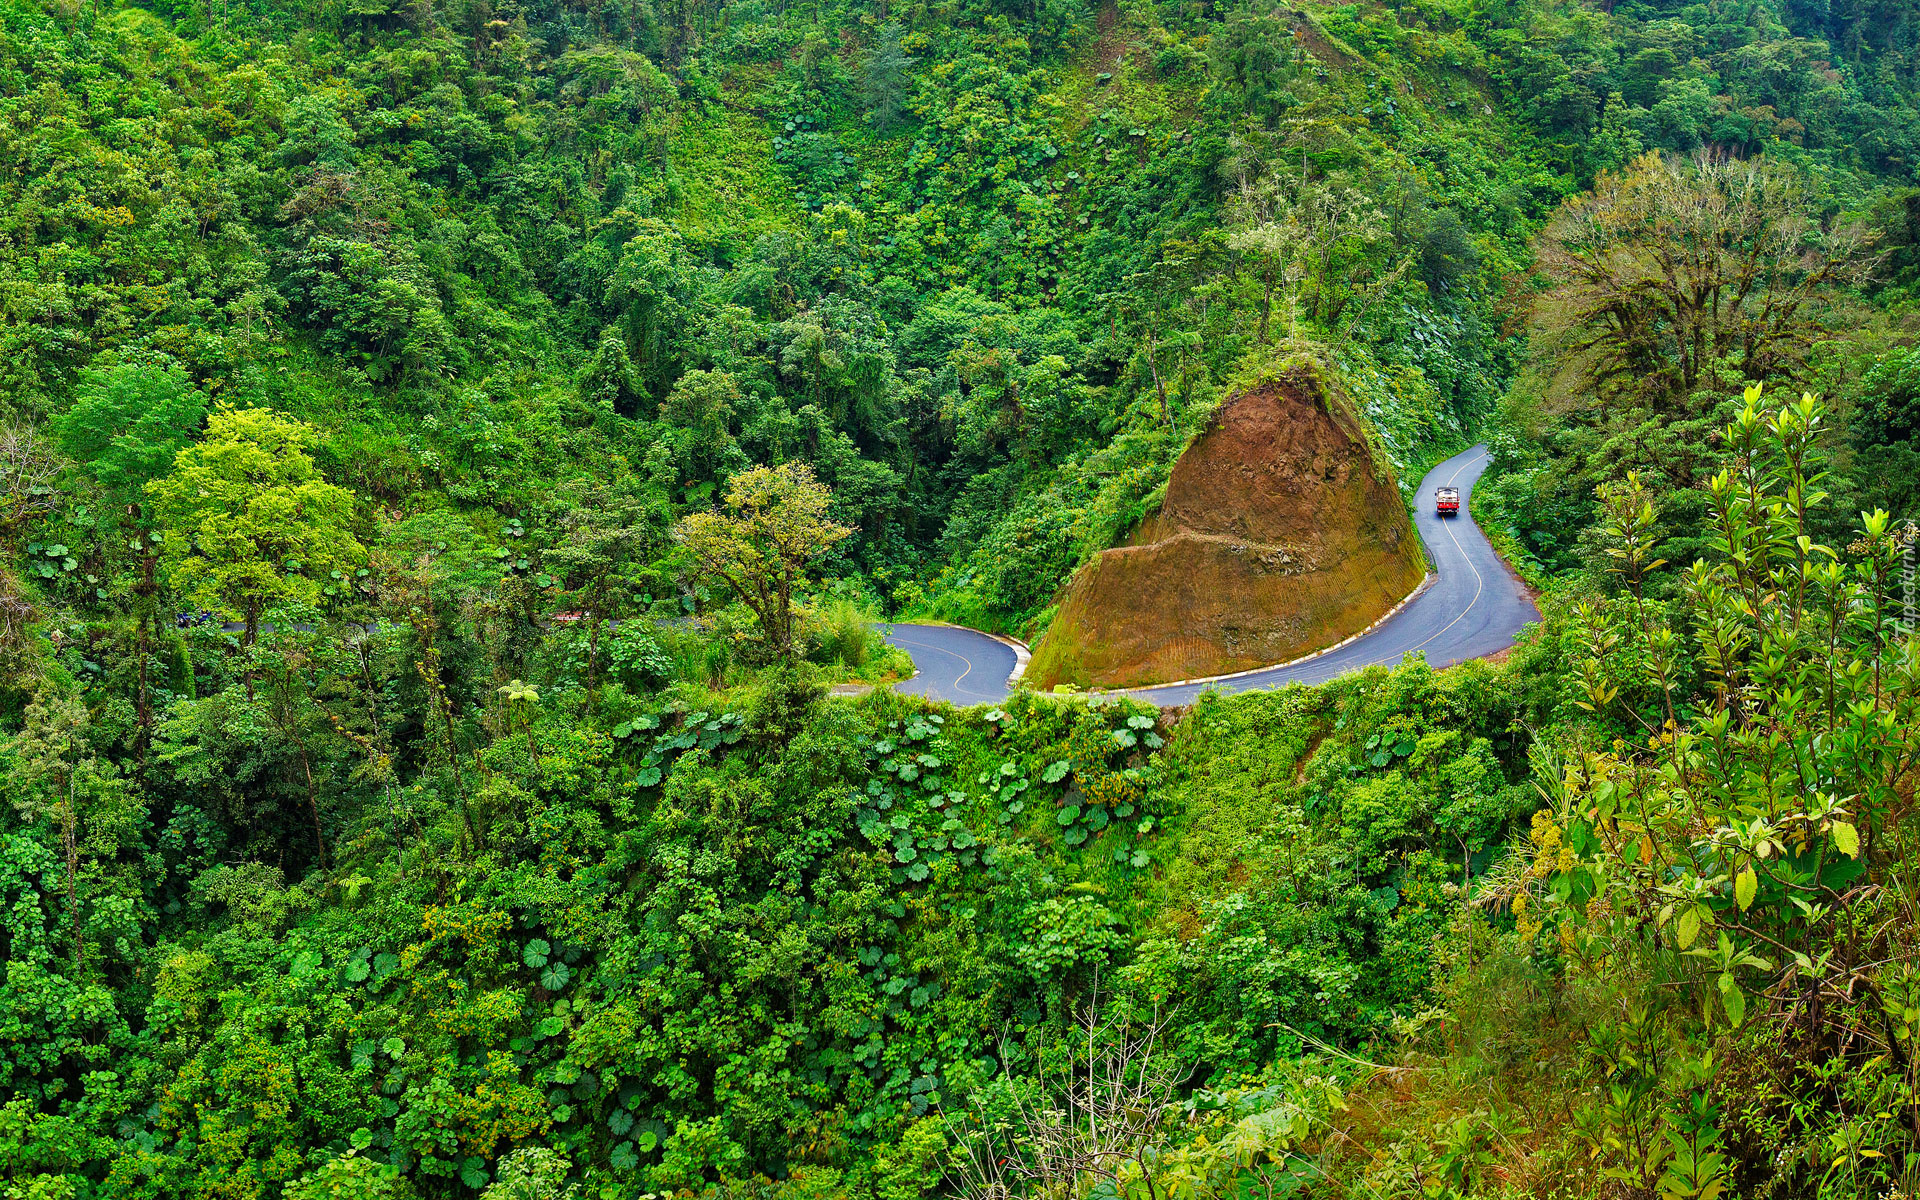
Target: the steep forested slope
(944, 264)
(550, 394)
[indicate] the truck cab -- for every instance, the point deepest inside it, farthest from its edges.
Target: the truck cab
(1446, 501)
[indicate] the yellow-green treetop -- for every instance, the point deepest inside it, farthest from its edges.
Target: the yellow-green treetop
(775, 522)
(249, 519)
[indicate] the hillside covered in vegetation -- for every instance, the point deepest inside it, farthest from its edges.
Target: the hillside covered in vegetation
(453, 454)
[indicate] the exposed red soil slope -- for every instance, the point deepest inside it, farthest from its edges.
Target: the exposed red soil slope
(1279, 535)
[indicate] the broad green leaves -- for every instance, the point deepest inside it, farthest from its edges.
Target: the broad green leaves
(1732, 998)
(128, 422)
(1676, 836)
(1688, 928)
(1846, 838)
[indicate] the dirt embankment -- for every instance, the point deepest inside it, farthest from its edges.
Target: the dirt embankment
(1279, 535)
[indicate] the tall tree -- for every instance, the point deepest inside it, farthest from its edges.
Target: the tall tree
(698, 413)
(1672, 266)
(57, 781)
(250, 521)
(608, 535)
(886, 76)
(128, 422)
(774, 524)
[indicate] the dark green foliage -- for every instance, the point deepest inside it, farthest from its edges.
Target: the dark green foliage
(497, 854)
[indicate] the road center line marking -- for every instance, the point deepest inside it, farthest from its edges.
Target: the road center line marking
(1479, 581)
(1463, 466)
(941, 650)
(1282, 673)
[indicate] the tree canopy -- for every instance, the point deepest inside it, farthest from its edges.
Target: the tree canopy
(773, 524)
(249, 521)
(578, 403)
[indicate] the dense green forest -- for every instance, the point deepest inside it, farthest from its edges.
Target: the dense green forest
(453, 454)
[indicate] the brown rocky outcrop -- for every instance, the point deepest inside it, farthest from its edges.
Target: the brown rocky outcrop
(1280, 534)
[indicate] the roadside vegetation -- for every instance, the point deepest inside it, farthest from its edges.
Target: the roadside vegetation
(552, 397)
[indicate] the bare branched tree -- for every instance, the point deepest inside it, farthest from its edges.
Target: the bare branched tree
(29, 468)
(17, 614)
(1098, 1110)
(1324, 249)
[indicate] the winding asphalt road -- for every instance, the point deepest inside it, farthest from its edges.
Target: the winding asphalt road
(964, 666)
(1474, 608)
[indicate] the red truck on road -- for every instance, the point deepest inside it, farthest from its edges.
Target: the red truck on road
(1446, 501)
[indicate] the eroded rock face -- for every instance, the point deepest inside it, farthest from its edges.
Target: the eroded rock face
(1278, 536)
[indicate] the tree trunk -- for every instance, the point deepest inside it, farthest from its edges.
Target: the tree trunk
(784, 600)
(142, 705)
(594, 621)
(313, 803)
(143, 647)
(1159, 385)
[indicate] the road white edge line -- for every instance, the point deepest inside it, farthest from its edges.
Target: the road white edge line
(1479, 580)
(1021, 654)
(1426, 582)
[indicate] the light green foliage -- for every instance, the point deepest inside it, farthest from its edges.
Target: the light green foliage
(248, 520)
(532, 1174)
(1378, 799)
(774, 525)
(846, 634)
(1723, 837)
(502, 858)
(1731, 843)
(351, 1177)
